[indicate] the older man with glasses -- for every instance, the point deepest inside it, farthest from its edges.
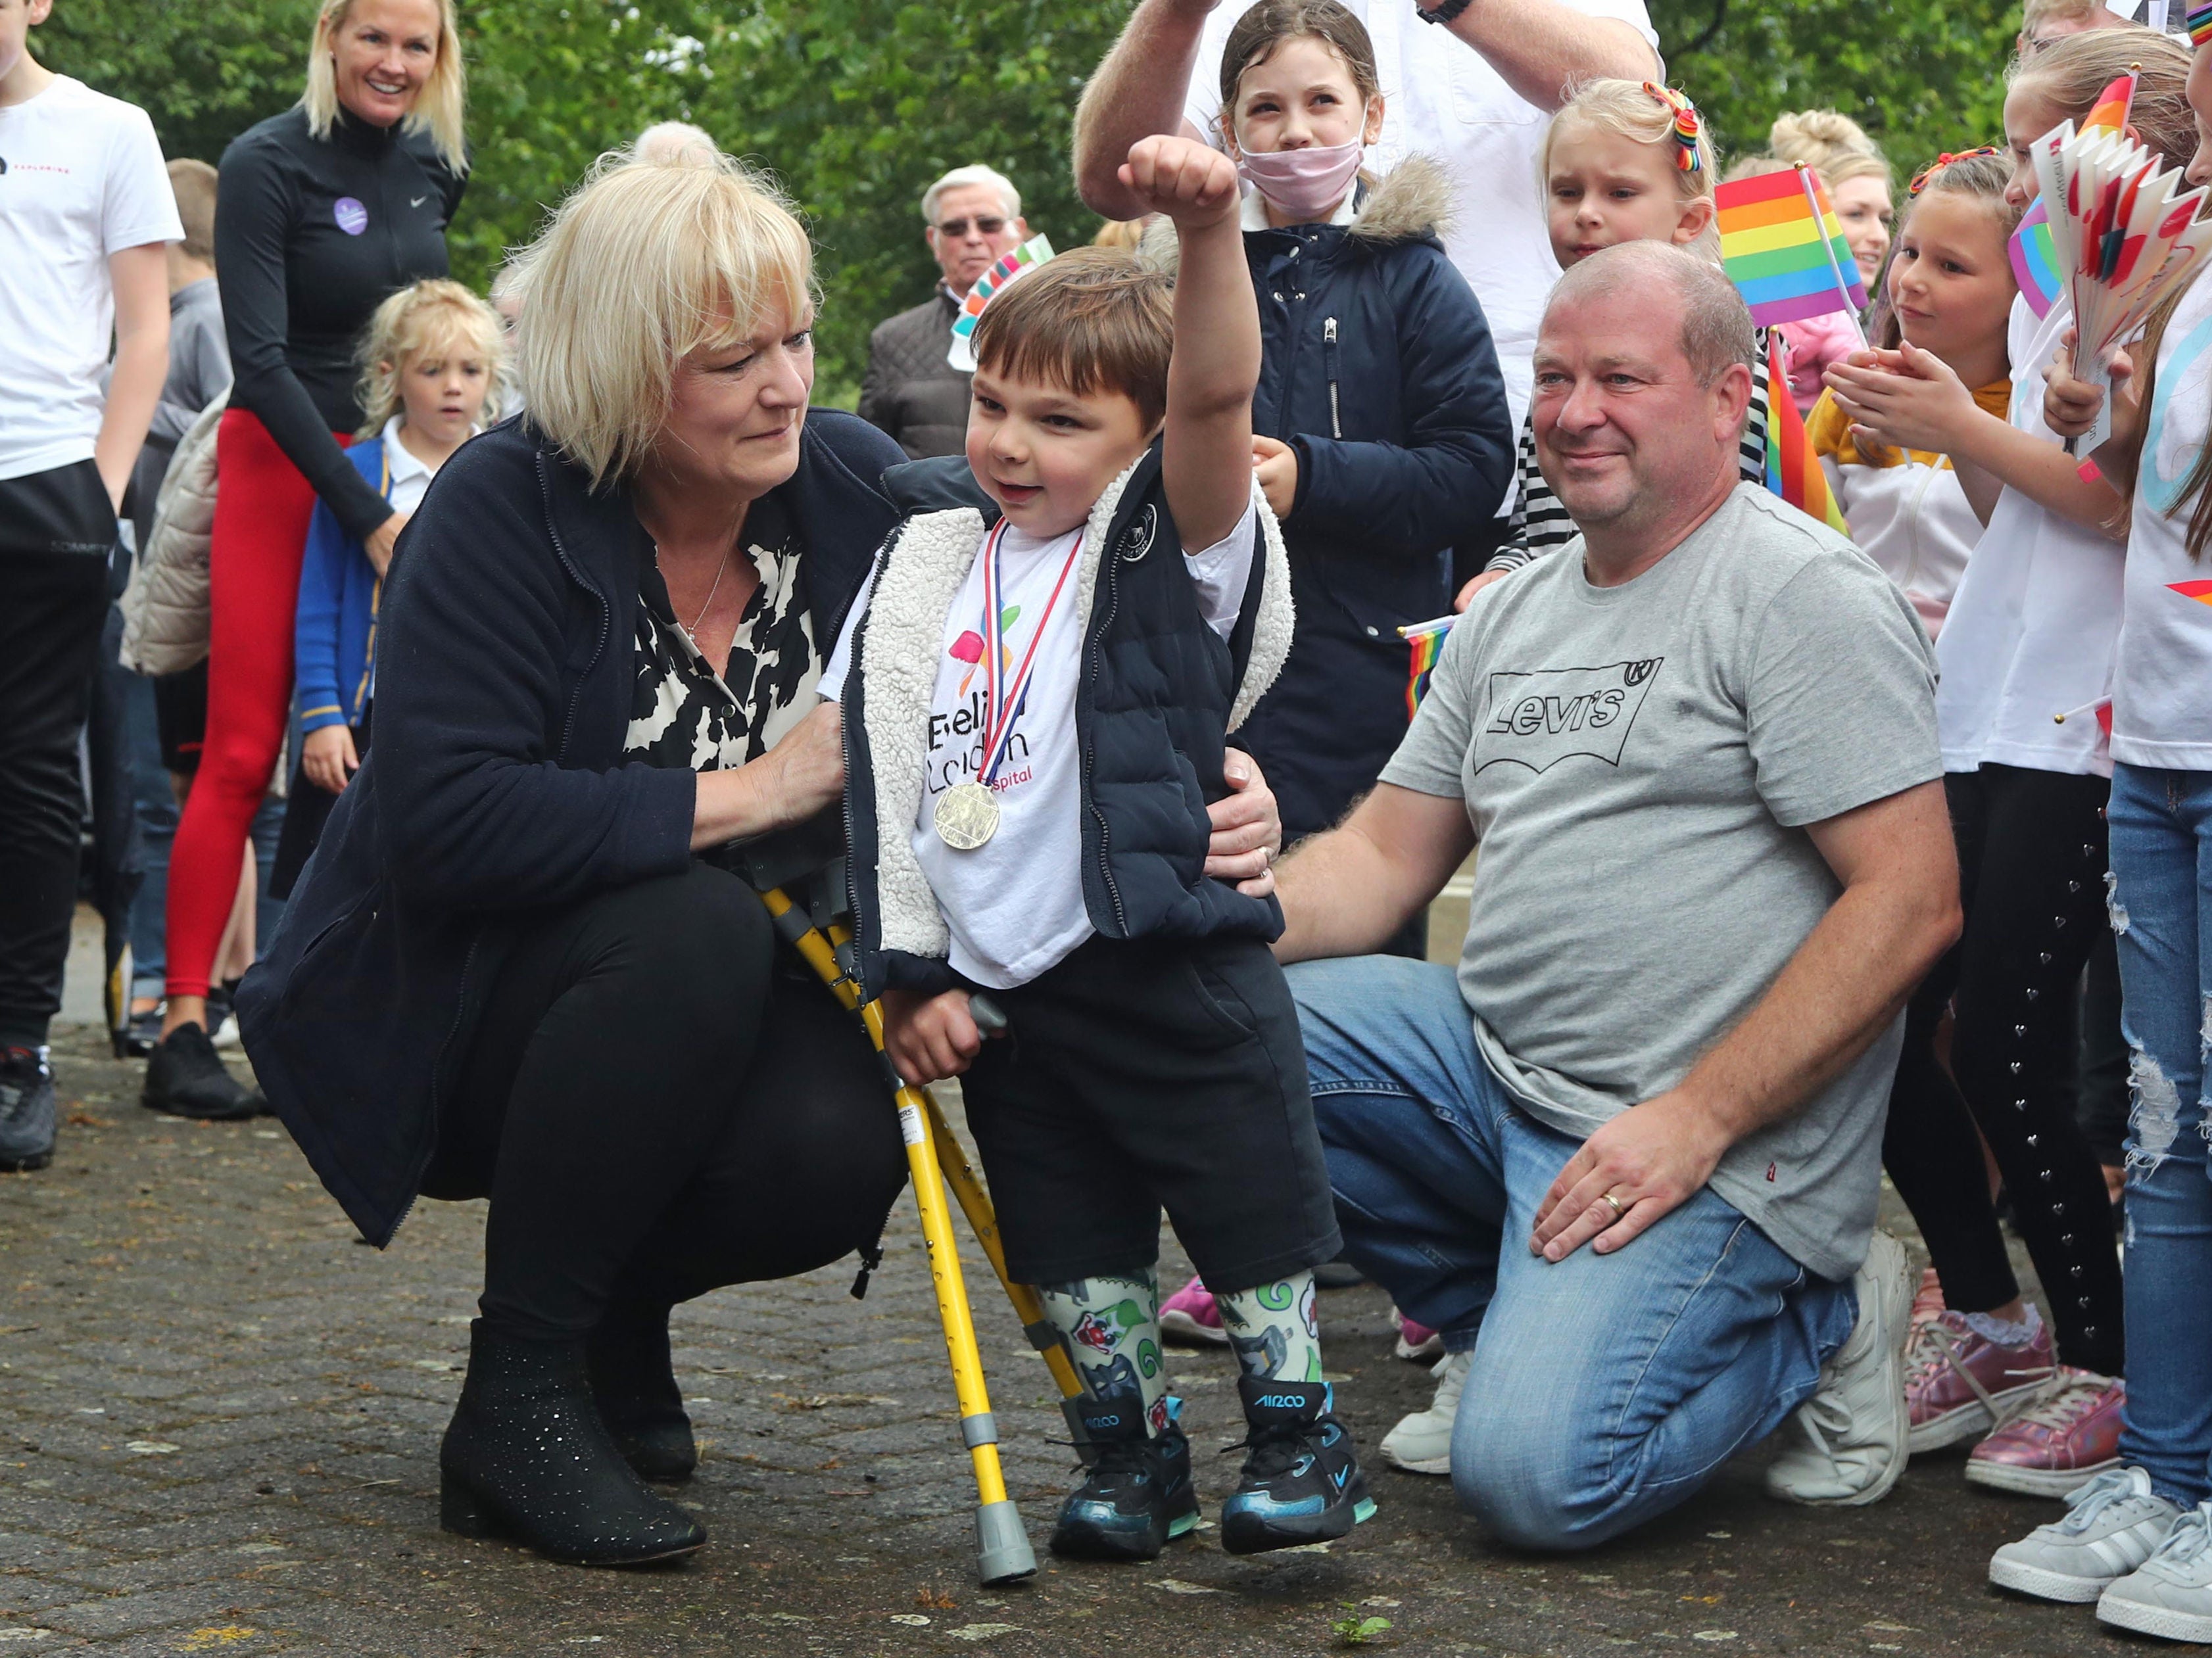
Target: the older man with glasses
(912, 390)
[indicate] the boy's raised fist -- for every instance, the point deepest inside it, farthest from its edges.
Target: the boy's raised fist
(1192, 183)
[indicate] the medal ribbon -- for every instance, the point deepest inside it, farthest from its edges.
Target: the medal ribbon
(1001, 698)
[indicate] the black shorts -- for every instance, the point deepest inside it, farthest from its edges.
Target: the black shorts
(1137, 1077)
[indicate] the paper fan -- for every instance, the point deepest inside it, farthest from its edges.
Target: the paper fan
(1025, 259)
(2122, 240)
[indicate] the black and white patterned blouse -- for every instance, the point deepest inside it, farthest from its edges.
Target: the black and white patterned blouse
(682, 713)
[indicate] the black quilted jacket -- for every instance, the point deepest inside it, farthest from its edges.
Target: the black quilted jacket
(911, 391)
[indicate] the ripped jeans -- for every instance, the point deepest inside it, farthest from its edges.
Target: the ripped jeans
(2161, 908)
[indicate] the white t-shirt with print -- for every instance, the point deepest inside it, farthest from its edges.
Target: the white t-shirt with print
(1014, 905)
(80, 178)
(2031, 629)
(2162, 684)
(1444, 100)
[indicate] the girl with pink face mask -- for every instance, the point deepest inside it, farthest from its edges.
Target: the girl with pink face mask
(1380, 431)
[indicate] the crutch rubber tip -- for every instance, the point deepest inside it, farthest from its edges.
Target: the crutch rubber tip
(1002, 1547)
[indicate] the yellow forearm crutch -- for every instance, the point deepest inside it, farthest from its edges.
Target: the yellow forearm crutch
(933, 1156)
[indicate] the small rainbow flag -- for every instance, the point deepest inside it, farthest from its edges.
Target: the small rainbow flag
(1785, 249)
(1793, 470)
(2035, 260)
(1425, 648)
(2113, 105)
(1030, 254)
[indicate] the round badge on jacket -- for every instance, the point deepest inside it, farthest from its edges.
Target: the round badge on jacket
(352, 217)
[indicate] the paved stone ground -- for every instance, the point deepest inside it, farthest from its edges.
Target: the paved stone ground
(219, 1420)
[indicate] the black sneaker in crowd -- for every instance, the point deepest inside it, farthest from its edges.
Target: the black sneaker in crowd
(186, 1078)
(27, 1109)
(141, 1035)
(1301, 1482)
(1138, 1493)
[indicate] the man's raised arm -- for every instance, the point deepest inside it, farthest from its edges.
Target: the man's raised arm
(1539, 47)
(1138, 93)
(1897, 914)
(1348, 891)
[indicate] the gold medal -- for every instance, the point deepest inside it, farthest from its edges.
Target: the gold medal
(966, 816)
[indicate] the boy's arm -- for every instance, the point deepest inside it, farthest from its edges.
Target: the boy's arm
(1206, 454)
(140, 278)
(315, 622)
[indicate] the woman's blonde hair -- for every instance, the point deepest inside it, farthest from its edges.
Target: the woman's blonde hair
(431, 315)
(1633, 110)
(1830, 142)
(439, 106)
(642, 265)
(2072, 72)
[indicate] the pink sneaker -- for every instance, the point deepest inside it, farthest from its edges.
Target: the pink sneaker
(1960, 1386)
(2065, 1438)
(1417, 1342)
(1191, 1315)
(1928, 1300)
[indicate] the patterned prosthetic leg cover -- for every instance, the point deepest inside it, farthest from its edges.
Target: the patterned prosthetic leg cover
(1112, 1324)
(1274, 1329)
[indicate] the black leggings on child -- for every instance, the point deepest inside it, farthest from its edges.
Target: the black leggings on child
(662, 1100)
(2032, 875)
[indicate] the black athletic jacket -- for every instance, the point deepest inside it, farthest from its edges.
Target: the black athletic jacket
(310, 235)
(496, 786)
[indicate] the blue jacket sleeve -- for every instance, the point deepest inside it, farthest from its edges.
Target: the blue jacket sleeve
(1445, 480)
(315, 626)
(480, 811)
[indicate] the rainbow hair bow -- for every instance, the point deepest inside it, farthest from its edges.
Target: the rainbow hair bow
(1687, 122)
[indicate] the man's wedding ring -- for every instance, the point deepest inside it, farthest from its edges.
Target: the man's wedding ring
(1617, 1211)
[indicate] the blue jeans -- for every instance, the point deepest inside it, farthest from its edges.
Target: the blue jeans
(2161, 897)
(1605, 1389)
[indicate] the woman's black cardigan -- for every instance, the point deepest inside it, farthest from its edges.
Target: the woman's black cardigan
(496, 786)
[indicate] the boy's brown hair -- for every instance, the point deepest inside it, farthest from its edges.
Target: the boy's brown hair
(193, 183)
(1091, 320)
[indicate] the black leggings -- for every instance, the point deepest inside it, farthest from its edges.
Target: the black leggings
(2031, 868)
(661, 1101)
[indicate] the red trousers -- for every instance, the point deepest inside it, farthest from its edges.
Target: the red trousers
(261, 505)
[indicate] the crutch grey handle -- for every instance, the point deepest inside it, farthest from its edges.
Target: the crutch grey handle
(990, 1018)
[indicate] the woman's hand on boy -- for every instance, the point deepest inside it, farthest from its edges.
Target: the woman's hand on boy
(1194, 184)
(1248, 827)
(1275, 464)
(328, 757)
(929, 1038)
(380, 541)
(1909, 398)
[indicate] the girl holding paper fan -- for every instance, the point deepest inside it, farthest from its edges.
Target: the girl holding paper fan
(2030, 634)
(1622, 161)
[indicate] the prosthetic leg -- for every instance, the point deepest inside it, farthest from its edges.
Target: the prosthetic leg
(934, 1157)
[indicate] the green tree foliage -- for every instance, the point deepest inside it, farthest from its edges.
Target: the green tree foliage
(856, 107)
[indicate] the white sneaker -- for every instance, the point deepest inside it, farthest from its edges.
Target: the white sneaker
(2170, 1594)
(1421, 1443)
(1856, 1425)
(2111, 1526)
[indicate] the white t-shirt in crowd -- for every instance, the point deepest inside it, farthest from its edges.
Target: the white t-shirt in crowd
(1014, 905)
(1443, 99)
(2162, 686)
(80, 178)
(2030, 632)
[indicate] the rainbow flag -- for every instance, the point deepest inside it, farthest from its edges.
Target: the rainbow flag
(2113, 105)
(1785, 249)
(1793, 470)
(1030, 254)
(1425, 648)
(2035, 260)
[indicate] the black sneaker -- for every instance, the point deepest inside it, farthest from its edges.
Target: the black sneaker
(27, 1109)
(186, 1078)
(141, 1035)
(1137, 1494)
(1301, 1482)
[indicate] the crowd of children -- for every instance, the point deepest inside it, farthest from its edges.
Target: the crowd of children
(1157, 466)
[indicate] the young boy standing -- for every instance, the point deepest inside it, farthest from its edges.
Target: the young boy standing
(85, 209)
(1036, 690)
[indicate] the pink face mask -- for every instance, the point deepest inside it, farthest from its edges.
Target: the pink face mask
(1305, 184)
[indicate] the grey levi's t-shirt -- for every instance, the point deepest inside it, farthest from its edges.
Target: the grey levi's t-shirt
(1638, 764)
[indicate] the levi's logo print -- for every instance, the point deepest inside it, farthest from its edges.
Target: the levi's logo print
(1537, 719)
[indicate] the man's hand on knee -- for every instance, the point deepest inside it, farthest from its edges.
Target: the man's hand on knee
(929, 1038)
(1635, 1168)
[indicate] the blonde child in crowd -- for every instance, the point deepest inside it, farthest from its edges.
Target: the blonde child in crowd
(1856, 178)
(1622, 161)
(430, 360)
(2030, 634)
(1948, 294)
(2137, 1538)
